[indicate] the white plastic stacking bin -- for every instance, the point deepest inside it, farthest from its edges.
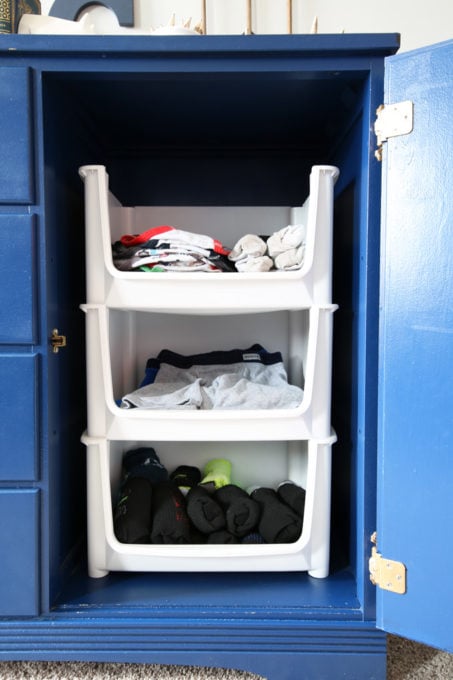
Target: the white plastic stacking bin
(254, 463)
(119, 343)
(233, 292)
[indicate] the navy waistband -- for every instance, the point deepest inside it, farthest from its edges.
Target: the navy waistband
(256, 353)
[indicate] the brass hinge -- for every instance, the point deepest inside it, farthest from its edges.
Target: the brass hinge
(57, 341)
(392, 120)
(385, 573)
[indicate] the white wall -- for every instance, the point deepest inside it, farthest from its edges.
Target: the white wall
(420, 22)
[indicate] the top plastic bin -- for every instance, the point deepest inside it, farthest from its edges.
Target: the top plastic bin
(206, 293)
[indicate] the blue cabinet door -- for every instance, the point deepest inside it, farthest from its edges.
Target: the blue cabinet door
(16, 156)
(19, 541)
(17, 279)
(19, 435)
(415, 476)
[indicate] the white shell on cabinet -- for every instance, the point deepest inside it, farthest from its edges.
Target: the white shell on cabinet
(119, 343)
(106, 220)
(131, 316)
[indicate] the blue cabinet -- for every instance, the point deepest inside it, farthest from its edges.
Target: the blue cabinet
(20, 393)
(16, 121)
(230, 121)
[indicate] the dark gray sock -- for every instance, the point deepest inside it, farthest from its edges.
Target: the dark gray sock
(170, 521)
(186, 476)
(294, 496)
(204, 512)
(221, 537)
(144, 462)
(278, 523)
(132, 514)
(242, 512)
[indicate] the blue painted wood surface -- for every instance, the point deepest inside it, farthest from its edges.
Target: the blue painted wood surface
(19, 541)
(19, 426)
(18, 260)
(416, 351)
(310, 629)
(16, 153)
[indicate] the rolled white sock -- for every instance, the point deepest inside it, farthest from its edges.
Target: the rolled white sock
(285, 239)
(249, 245)
(255, 264)
(290, 259)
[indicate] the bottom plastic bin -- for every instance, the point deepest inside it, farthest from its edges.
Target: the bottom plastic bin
(253, 464)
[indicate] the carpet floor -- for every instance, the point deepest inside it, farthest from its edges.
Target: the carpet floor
(407, 660)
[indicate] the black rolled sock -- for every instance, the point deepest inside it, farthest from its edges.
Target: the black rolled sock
(204, 512)
(170, 522)
(242, 512)
(294, 496)
(196, 537)
(221, 537)
(144, 462)
(278, 523)
(132, 514)
(186, 476)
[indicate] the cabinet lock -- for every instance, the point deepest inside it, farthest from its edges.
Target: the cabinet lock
(57, 341)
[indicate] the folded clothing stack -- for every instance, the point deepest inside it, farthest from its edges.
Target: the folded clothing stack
(249, 378)
(166, 249)
(186, 507)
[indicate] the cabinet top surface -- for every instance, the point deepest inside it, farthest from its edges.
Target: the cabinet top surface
(325, 45)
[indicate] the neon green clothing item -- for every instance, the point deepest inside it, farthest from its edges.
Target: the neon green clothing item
(218, 471)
